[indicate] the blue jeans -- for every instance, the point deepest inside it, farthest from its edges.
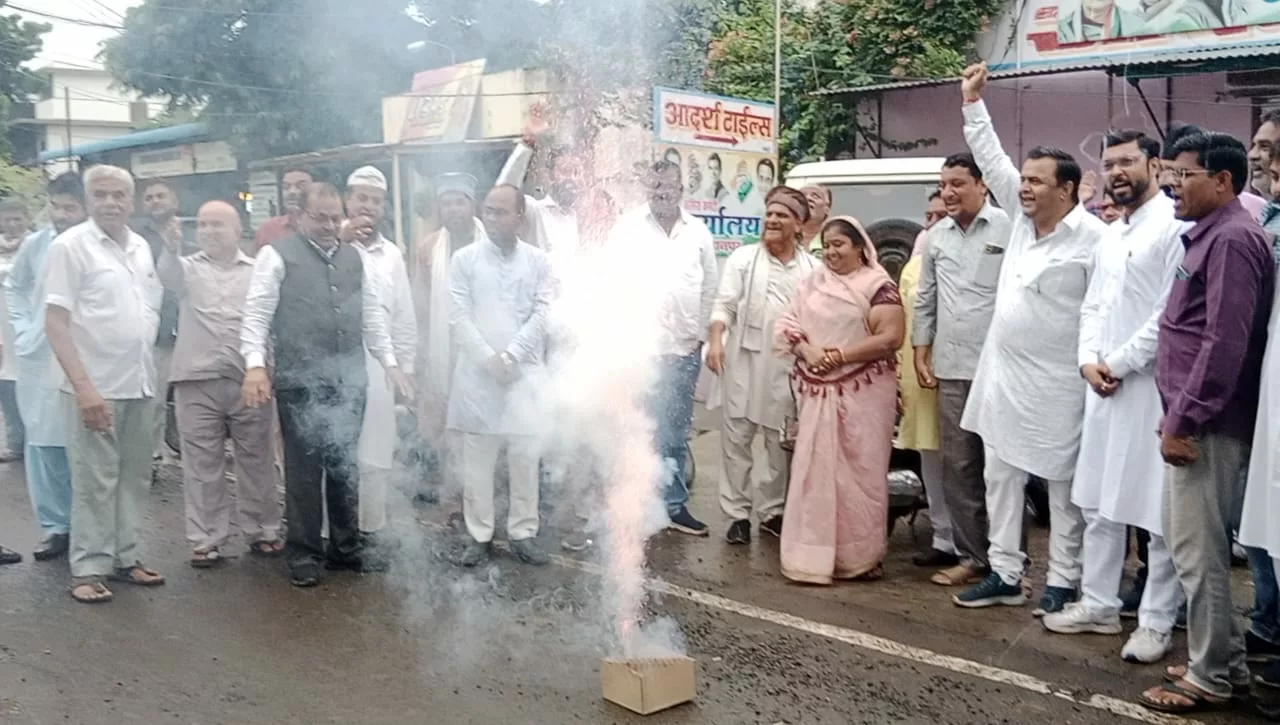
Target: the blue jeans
(671, 405)
(1266, 596)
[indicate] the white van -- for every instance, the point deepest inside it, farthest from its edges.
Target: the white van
(888, 196)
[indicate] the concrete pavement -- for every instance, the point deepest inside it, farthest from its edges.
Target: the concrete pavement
(427, 643)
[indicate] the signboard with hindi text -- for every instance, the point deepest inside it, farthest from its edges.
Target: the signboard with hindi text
(727, 152)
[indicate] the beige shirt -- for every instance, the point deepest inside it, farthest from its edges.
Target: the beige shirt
(211, 298)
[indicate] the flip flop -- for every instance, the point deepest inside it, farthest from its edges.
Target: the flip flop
(133, 575)
(101, 594)
(954, 576)
(206, 559)
(1239, 690)
(1199, 703)
(267, 548)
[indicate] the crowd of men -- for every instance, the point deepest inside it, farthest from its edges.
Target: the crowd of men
(1120, 360)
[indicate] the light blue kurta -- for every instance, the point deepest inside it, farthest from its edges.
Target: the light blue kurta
(38, 400)
(499, 304)
(42, 408)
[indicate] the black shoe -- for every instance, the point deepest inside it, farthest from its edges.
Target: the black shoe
(772, 525)
(528, 551)
(936, 559)
(54, 546)
(9, 556)
(1259, 649)
(1269, 676)
(304, 574)
(473, 554)
(685, 523)
(739, 532)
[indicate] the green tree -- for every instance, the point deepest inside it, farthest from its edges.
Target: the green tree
(284, 76)
(838, 44)
(20, 42)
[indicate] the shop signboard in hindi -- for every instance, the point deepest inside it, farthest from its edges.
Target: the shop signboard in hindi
(727, 153)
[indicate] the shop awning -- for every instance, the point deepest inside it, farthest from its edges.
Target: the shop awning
(1149, 65)
(181, 133)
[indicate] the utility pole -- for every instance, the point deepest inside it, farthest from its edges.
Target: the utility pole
(777, 66)
(66, 104)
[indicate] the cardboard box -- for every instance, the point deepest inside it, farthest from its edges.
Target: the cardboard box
(647, 685)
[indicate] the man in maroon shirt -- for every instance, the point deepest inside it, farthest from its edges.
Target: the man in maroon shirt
(293, 187)
(1208, 366)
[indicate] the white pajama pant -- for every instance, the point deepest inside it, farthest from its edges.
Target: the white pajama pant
(1104, 556)
(939, 515)
(1006, 507)
(373, 498)
(736, 484)
(477, 459)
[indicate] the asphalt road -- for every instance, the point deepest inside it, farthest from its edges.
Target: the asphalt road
(511, 644)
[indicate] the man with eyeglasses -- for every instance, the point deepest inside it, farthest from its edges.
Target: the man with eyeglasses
(1119, 477)
(1208, 364)
(317, 301)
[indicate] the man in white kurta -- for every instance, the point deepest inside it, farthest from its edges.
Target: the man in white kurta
(501, 291)
(1119, 478)
(754, 388)
(1258, 527)
(1027, 400)
(366, 199)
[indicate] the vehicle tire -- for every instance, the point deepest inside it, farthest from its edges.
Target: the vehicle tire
(894, 240)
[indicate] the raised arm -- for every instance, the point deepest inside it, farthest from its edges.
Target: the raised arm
(998, 170)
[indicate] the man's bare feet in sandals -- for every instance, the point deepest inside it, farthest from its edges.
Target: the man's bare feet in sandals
(1239, 690)
(1180, 696)
(91, 593)
(271, 548)
(138, 575)
(956, 576)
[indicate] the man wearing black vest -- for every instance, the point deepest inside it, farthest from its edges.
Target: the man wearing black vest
(312, 297)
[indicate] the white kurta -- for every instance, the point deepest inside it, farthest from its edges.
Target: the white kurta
(378, 433)
(1120, 472)
(499, 305)
(1027, 400)
(1258, 524)
(755, 289)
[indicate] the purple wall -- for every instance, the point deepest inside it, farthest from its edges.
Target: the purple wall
(1070, 111)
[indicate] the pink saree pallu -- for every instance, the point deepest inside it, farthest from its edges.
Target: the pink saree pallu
(838, 500)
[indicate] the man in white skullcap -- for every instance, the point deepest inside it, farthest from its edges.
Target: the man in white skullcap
(366, 201)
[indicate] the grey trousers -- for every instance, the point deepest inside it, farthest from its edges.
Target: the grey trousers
(110, 481)
(163, 357)
(963, 486)
(1202, 504)
(208, 412)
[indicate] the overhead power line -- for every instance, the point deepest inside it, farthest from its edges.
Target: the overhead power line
(65, 19)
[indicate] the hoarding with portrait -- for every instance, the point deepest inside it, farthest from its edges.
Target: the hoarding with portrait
(726, 149)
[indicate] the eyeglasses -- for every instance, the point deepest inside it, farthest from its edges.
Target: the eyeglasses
(1178, 175)
(1124, 162)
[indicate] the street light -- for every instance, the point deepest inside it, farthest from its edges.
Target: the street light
(418, 46)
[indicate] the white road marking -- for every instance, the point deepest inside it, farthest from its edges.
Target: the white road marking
(862, 640)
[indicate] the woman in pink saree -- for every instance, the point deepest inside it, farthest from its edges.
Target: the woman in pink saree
(844, 327)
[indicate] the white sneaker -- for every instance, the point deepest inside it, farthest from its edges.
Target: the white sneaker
(1146, 646)
(1076, 618)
